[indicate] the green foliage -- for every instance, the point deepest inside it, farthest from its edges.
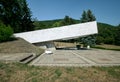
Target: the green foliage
(87, 17)
(67, 21)
(70, 70)
(5, 32)
(16, 14)
(113, 71)
(90, 16)
(56, 24)
(89, 40)
(99, 40)
(117, 36)
(39, 25)
(109, 40)
(84, 17)
(45, 24)
(106, 34)
(58, 72)
(53, 23)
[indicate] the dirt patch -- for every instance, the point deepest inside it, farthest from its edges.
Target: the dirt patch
(64, 45)
(61, 59)
(105, 59)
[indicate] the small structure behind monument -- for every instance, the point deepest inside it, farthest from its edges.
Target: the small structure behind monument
(46, 45)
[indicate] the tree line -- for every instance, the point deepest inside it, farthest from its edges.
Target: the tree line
(108, 34)
(16, 14)
(15, 17)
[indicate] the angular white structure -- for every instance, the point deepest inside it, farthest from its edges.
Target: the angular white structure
(59, 33)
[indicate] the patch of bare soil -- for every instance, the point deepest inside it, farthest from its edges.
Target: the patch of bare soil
(63, 44)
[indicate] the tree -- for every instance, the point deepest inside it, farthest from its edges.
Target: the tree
(87, 17)
(57, 24)
(106, 34)
(38, 25)
(89, 40)
(16, 14)
(67, 21)
(27, 24)
(84, 17)
(117, 39)
(99, 40)
(90, 16)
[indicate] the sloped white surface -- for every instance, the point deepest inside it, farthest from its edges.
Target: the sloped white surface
(58, 33)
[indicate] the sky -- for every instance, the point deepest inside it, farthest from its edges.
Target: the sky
(105, 11)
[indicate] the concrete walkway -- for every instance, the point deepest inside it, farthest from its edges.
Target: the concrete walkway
(94, 57)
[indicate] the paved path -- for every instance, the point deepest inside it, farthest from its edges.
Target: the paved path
(94, 57)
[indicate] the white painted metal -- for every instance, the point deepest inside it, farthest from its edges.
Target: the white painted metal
(58, 33)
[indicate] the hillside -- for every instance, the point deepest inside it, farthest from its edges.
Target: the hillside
(48, 23)
(106, 33)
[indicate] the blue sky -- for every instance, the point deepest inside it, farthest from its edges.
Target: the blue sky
(106, 11)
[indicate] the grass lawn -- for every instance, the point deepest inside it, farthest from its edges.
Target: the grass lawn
(15, 72)
(108, 47)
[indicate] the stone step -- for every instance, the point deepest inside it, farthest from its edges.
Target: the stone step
(28, 59)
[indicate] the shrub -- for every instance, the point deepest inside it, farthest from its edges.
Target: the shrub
(89, 40)
(58, 72)
(99, 40)
(109, 40)
(5, 32)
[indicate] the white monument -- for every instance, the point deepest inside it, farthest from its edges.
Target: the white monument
(59, 33)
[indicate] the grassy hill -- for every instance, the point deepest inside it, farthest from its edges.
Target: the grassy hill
(106, 33)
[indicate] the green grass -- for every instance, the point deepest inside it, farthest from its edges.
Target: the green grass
(16, 72)
(113, 71)
(58, 72)
(108, 47)
(97, 47)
